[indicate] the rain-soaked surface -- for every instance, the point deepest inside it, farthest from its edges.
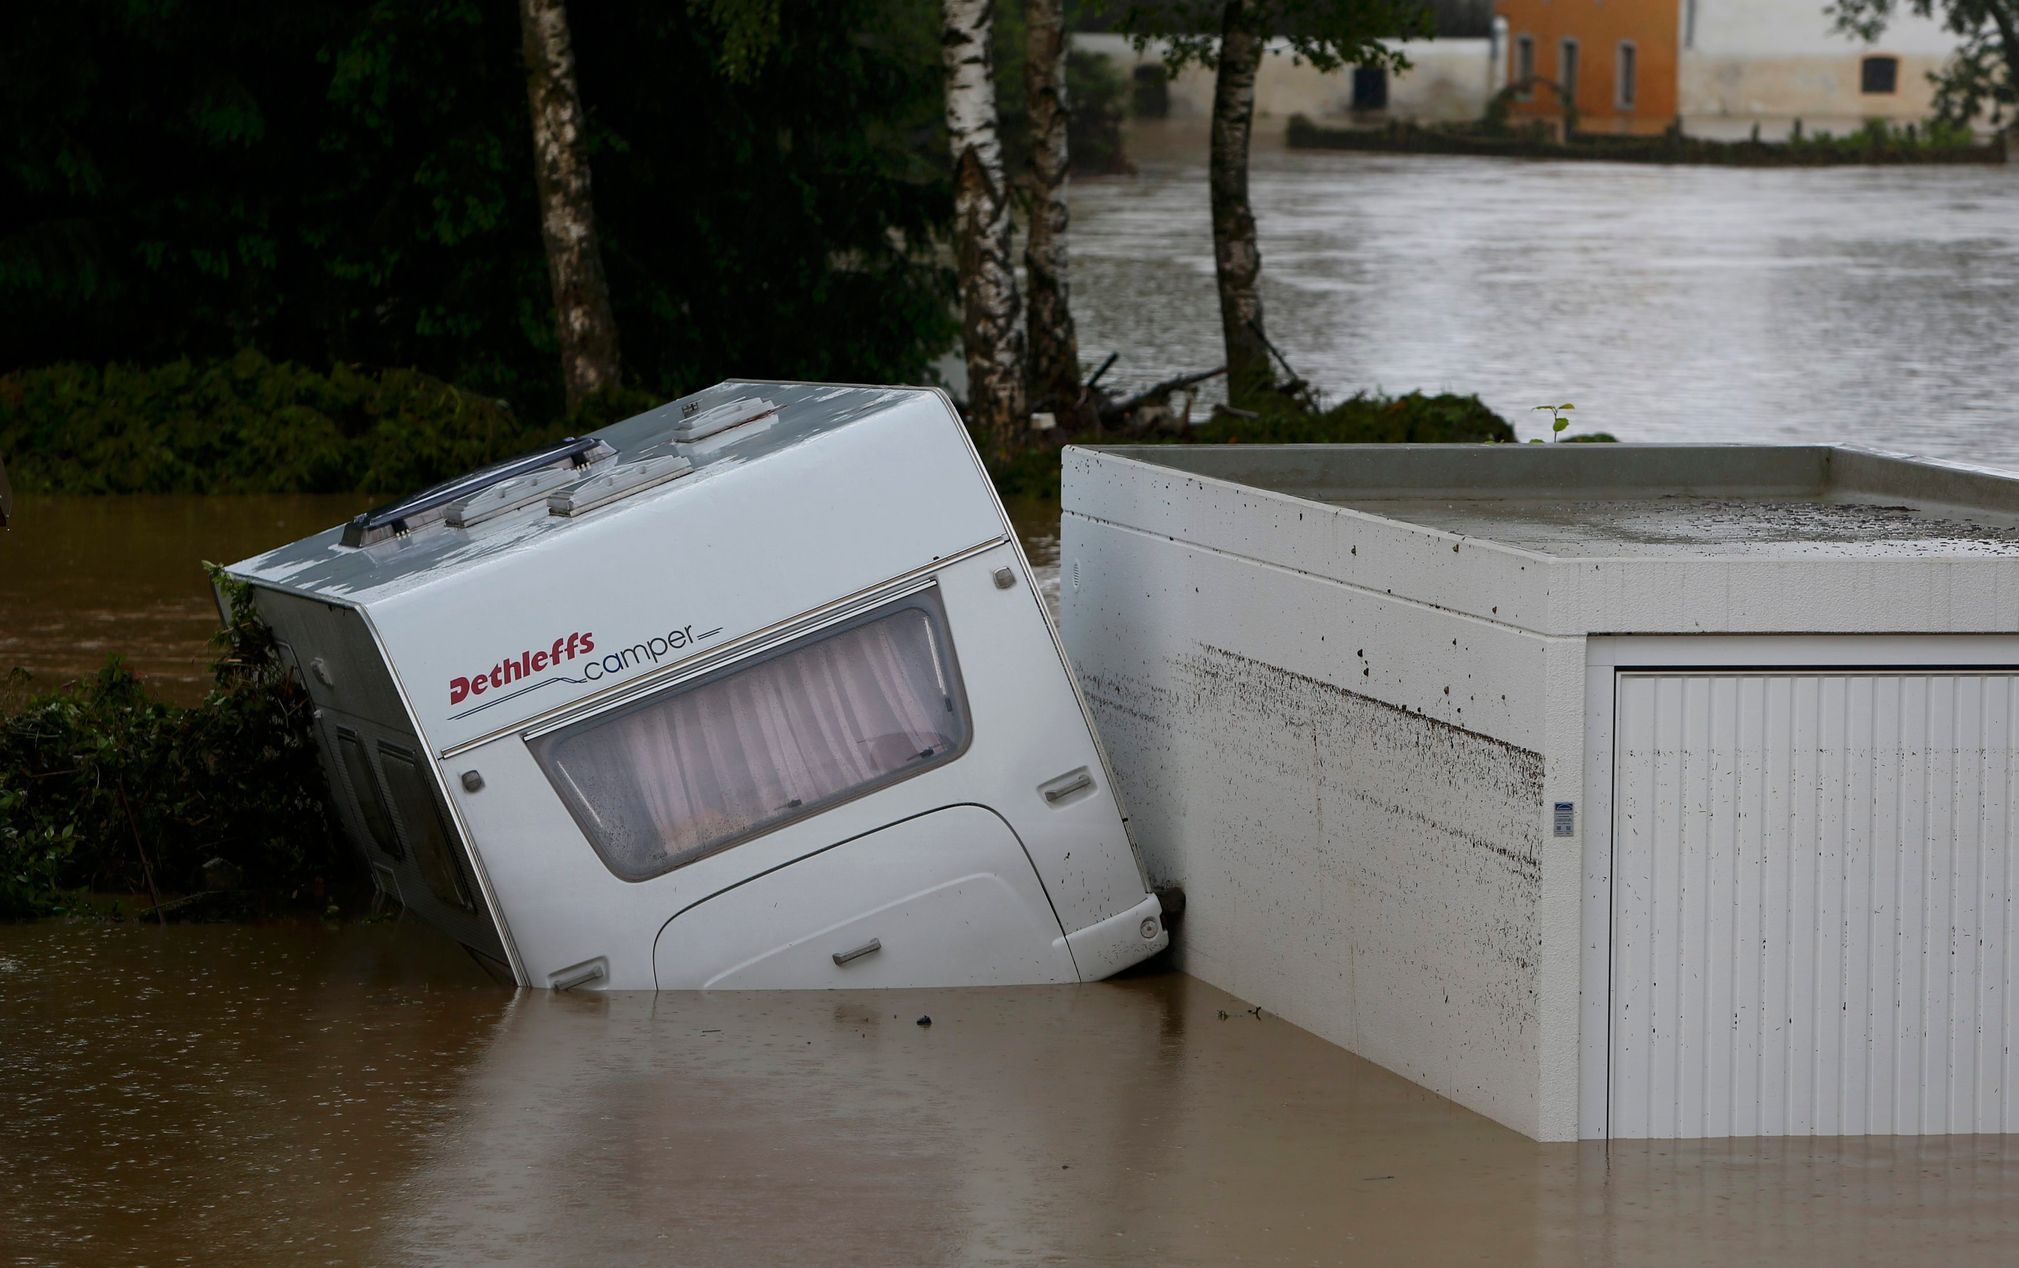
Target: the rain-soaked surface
(1707, 527)
(1872, 305)
(362, 1094)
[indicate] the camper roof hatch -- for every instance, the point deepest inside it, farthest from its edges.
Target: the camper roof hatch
(509, 496)
(618, 482)
(432, 505)
(701, 424)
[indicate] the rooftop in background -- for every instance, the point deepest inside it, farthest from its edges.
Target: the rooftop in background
(1645, 501)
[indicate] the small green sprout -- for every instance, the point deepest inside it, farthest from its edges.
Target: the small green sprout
(1557, 421)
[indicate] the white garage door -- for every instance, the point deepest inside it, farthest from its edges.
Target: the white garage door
(1812, 917)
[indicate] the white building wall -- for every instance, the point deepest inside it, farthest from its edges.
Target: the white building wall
(1448, 80)
(1799, 28)
(1370, 866)
(1781, 60)
(1330, 725)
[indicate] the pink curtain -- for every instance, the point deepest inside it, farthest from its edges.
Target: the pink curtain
(668, 779)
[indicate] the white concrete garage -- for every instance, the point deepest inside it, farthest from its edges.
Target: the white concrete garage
(1632, 791)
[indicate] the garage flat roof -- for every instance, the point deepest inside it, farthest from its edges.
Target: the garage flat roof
(1708, 527)
(1644, 501)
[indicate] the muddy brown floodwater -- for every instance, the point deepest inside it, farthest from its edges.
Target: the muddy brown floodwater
(362, 1094)
(82, 578)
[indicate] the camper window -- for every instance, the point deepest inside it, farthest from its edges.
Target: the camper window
(421, 822)
(706, 764)
(365, 794)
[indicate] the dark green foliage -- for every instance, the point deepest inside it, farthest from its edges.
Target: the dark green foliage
(1098, 94)
(782, 226)
(104, 789)
(1446, 418)
(343, 182)
(247, 425)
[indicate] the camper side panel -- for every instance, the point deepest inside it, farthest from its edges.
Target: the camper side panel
(1368, 868)
(381, 776)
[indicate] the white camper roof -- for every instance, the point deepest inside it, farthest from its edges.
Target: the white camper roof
(676, 535)
(672, 449)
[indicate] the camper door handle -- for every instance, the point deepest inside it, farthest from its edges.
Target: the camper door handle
(843, 957)
(1074, 781)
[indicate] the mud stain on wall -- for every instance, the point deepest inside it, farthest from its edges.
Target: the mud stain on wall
(1395, 857)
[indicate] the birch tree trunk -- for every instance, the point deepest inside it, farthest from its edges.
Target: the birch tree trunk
(1054, 344)
(981, 231)
(1237, 260)
(582, 319)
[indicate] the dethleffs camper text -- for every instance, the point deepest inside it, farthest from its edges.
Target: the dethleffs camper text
(524, 665)
(527, 663)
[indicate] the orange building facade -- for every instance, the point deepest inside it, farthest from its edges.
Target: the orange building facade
(1616, 57)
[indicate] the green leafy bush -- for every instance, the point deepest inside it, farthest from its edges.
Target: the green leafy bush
(104, 789)
(246, 425)
(1364, 419)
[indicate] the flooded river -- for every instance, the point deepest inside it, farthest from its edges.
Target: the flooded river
(361, 1094)
(1868, 305)
(84, 578)
(1873, 305)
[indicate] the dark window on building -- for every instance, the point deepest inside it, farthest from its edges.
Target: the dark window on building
(1566, 56)
(420, 818)
(1880, 75)
(366, 795)
(1524, 65)
(1370, 87)
(1629, 75)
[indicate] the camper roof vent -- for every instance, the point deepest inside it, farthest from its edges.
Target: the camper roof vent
(618, 482)
(509, 496)
(431, 505)
(705, 423)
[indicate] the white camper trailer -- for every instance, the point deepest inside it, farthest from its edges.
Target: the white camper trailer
(752, 690)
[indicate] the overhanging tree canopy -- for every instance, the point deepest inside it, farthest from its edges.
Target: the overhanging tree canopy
(329, 181)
